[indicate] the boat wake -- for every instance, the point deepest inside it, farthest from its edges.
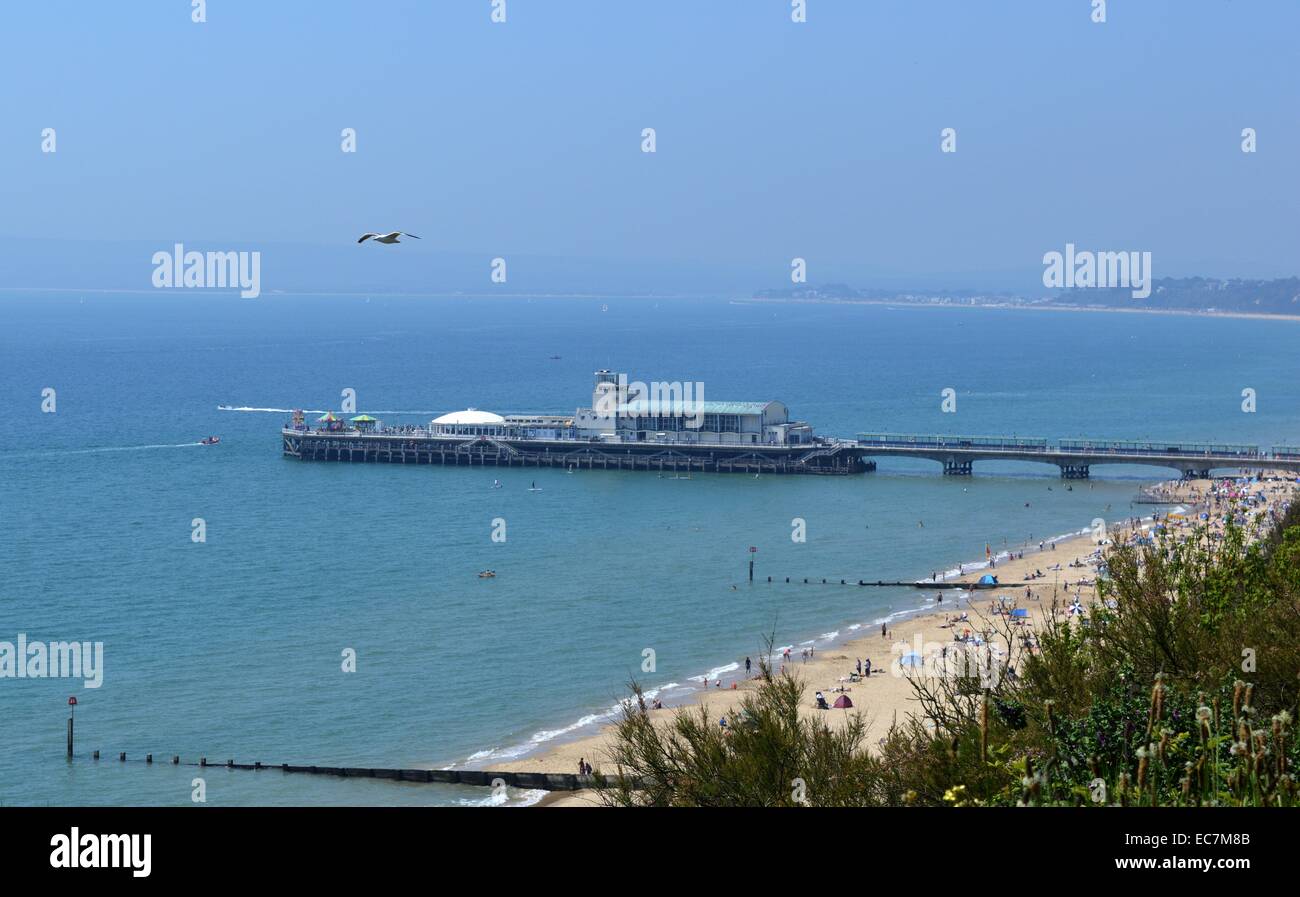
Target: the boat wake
(310, 410)
(100, 450)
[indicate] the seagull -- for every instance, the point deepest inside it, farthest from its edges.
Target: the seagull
(386, 238)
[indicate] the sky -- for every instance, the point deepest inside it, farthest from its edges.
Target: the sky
(523, 140)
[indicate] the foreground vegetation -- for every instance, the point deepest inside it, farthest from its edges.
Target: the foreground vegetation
(1181, 690)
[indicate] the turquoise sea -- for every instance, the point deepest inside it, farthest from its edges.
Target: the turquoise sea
(232, 648)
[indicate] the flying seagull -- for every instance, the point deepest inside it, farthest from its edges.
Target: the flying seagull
(386, 238)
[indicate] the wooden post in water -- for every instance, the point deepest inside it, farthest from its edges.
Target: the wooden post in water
(752, 551)
(72, 712)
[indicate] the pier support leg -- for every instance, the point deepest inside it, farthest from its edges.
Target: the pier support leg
(1074, 471)
(955, 468)
(1196, 474)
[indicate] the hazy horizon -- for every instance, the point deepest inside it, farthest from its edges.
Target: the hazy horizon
(522, 140)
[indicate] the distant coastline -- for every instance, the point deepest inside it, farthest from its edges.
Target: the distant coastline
(1018, 306)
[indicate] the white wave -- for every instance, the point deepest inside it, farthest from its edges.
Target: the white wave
(714, 673)
(590, 720)
(503, 798)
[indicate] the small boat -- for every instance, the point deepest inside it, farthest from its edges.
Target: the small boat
(496, 484)
(487, 574)
(210, 440)
(534, 487)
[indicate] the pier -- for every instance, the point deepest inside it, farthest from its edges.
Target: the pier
(1076, 457)
(420, 446)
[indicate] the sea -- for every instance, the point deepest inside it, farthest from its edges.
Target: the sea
(234, 646)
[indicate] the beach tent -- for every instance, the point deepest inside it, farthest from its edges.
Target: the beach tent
(842, 702)
(988, 579)
(1020, 612)
(363, 422)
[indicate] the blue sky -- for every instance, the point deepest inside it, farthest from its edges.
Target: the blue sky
(775, 139)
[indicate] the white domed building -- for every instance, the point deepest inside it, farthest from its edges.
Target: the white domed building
(470, 422)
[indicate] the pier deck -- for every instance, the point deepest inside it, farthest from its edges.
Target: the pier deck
(419, 447)
(1076, 457)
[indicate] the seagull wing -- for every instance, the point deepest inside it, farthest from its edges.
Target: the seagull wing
(405, 234)
(365, 237)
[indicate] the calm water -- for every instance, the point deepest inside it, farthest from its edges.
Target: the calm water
(233, 648)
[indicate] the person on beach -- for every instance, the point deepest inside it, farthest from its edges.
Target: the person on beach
(884, 633)
(859, 666)
(868, 667)
(582, 766)
(746, 667)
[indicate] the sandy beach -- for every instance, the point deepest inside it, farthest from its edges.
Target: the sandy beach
(1036, 583)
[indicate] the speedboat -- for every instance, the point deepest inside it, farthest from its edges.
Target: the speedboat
(210, 440)
(487, 574)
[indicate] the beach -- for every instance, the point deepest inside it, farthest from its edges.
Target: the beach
(1038, 583)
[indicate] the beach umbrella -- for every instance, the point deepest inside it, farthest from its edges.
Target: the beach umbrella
(366, 418)
(327, 416)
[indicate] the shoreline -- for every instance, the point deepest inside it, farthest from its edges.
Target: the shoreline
(1068, 574)
(926, 618)
(1012, 306)
(524, 755)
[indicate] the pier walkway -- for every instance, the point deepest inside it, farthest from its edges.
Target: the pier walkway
(1076, 457)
